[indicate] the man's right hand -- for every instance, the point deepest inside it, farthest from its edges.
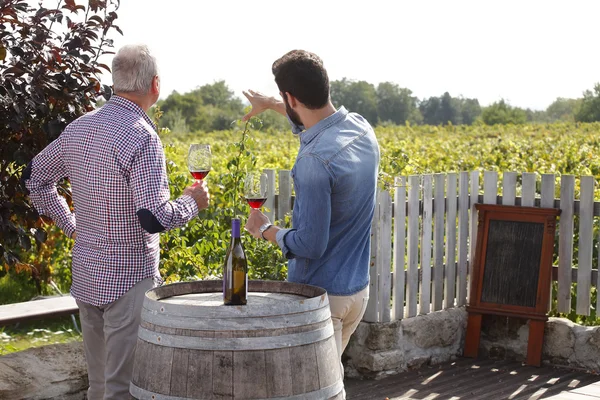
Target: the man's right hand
(260, 103)
(199, 192)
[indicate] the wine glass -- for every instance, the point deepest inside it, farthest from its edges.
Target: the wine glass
(255, 189)
(199, 160)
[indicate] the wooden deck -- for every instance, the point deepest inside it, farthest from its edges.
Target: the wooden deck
(479, 379)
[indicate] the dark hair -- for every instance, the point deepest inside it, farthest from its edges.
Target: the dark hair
(302, 74)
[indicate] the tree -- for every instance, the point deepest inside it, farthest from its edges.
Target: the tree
(563, 109)
(49, 76)
(442, 110)
(503, 113)
(395, 104)
(207, 108)
(536, 116)
(589, 109)
(356, 96)
(470, 110)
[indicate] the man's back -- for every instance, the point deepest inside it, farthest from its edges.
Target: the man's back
(99, 149)
(343, 150)
(115, 162)
(112, 251)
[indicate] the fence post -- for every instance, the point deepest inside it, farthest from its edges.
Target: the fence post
(270, 203)
(284, 205)
(384, 260)
(372, 311)
(412, 284)
(399, 248)
(565, 245)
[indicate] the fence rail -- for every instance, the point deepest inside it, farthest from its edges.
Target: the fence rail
(421, 248)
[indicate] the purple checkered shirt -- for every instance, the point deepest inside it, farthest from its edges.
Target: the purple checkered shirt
(115, 162)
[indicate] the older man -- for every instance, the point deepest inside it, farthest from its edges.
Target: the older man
(115, 162)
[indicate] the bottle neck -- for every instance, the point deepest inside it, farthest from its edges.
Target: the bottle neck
(235, 228)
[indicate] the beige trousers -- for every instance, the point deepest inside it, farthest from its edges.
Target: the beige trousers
(346, 314)
(109, 339)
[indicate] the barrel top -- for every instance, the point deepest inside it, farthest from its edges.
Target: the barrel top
(215, 299)
(205, 298)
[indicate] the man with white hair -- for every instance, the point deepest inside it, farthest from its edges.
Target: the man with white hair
(115, 162)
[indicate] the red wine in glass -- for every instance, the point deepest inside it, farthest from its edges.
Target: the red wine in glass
(256, 203)
(255, 189)
(199, 175)
(199, 160)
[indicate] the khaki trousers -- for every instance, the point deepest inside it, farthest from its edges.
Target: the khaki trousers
(346, 314)
(109, 339)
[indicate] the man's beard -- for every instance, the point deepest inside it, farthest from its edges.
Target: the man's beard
(293, 115)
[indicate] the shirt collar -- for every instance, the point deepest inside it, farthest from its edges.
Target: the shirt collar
(131, 106)
(308, 135)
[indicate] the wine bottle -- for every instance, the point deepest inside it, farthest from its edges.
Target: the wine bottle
(235, 270)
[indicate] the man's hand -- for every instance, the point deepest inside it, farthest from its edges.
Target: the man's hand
(199, 192)
(260, 103)
(74, 236)
(255, 220)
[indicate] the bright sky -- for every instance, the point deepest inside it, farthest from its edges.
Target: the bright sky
(528, 52)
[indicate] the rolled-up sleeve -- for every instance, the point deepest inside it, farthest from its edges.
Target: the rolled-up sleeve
(310, 234)
(150, 188)
(41, 178)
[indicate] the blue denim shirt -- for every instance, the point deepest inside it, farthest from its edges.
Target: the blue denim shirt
(335, 180)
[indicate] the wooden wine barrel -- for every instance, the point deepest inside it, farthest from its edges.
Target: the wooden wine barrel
(279, 346)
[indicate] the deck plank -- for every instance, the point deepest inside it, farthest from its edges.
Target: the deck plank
(479, 379)
(49, 307)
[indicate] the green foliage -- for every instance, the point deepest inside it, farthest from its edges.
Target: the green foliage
(449, 110)
(356, 96)
(210, 107)
(395, 104)
(197, 251)
(49, 76)
(503, 113)
(589, 109)
(563, 109)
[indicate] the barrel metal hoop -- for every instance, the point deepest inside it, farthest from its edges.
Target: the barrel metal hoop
(325, 393)
(235, 344)
(236, 324)
(184, 310)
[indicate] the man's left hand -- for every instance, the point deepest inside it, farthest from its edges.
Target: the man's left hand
(255, 221)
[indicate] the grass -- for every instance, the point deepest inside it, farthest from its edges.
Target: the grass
(38, 333)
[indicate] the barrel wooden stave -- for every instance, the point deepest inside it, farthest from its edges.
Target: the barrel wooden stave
(302, 371)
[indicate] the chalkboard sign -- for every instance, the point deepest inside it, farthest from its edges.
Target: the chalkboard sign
(512, 270)
(514, 251)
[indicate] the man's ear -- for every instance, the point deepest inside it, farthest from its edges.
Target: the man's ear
(155, 88)
(292, 101)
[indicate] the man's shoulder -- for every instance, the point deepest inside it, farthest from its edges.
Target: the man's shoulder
(116, 120)
(358, 122)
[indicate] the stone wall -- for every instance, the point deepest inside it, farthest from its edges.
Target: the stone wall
(50, 372)
(379, 349)
(376, 350)
(565, 343)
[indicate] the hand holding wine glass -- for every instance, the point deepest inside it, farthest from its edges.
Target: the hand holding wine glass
(199, 192)
(199, 160)
(255, 189)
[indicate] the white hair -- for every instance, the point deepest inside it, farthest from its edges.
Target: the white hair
(133, 69)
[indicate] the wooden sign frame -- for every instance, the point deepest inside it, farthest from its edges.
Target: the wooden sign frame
(489, 215)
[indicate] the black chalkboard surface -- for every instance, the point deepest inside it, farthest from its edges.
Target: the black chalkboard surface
(512, 271)
(512, 262)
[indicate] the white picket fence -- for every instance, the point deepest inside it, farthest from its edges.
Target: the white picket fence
(421, 248)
